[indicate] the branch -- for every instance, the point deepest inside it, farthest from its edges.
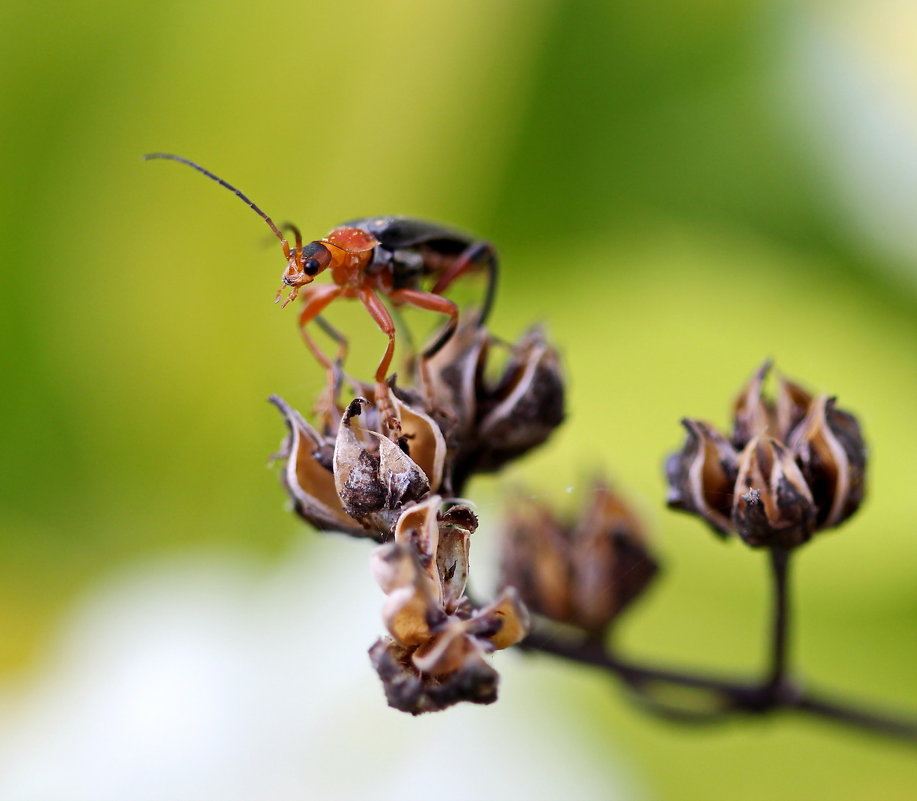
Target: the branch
(731, 696)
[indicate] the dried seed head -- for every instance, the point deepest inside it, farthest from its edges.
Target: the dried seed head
(435, 653)
(793, 467)
(584, 574)
(357, 480)
(495, 421)
(408, 690)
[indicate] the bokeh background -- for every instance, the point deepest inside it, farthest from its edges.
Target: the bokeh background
(678, 190)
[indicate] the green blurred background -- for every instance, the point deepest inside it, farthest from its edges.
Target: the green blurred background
(678, 189)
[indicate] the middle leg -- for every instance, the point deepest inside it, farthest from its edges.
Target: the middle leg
(383, 319)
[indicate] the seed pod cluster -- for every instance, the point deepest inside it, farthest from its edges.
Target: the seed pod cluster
(362, 476)
(583, 572)
(793, 466)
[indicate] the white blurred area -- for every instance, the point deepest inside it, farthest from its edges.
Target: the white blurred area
(198, 677)
(850, 74)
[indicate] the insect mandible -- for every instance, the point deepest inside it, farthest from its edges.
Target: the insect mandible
(370, 258)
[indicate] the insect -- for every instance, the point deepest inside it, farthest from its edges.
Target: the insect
(369, 259)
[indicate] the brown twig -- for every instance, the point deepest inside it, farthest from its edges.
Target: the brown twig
(726, 697)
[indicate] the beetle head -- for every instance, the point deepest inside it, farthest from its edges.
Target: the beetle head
(303, 266)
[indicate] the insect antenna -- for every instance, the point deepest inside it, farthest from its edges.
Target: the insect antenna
(294, 229)
(231, 188)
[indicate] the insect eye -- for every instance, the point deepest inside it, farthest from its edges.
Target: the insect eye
(311, 267)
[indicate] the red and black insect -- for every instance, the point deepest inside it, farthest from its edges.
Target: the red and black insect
(372, 258)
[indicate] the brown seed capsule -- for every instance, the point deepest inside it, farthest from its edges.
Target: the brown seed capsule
(495, 421)
(776, 507)
(308, 476)
(357, 480)
(703, 474)
(794, 466)
(435, 653)
(584, 574)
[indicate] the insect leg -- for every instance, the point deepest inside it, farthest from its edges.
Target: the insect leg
(476, 255)
(315, 299)
(431, 302)
(342, 342)
(383, 319)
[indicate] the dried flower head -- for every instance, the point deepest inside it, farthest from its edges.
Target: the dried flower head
(435, 654)
(356, 479)
(793, 466)
(492, 421)
(584, 574)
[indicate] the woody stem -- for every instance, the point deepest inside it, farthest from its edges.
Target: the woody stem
(737, 696)
(780, 560)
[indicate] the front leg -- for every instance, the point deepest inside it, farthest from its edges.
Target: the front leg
(315, 300)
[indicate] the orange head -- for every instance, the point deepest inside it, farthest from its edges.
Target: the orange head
(344, 250)
(303, 264)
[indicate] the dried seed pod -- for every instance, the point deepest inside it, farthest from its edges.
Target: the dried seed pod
(308, 476)
(495, 421)
(358, 480)
(831, 451)
(800, 467)
(374, 477)
(435, 653)
(702, 475)
(776, 508)
(583, 574)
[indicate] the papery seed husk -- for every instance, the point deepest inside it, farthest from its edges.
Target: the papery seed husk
(833, 456)
(308, 478)
(702, 475)
(753, 415)
(410, 691)
(536, 560)
(773, 504)
(510, 611)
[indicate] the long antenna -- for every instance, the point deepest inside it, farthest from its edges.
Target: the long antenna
(231, 188)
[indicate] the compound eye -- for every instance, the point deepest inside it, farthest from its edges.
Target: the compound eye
(311, 267)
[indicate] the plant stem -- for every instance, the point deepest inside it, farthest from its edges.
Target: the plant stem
(737, 697)
(880, 722)
(780, 561)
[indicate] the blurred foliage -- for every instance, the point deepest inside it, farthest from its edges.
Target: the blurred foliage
(650, 201)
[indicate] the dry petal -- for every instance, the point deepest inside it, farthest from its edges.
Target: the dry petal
(702, 476)
(536, 559)
(792, 404)
(773, 505)
(526, 405)
(455, 529)
(308, 477)
(410, 610)
(373, 476)
(409, 690)
(447, 651)
(425, 442)
(833, 456)
(753, 415)
(508, 616)
(455, 376)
